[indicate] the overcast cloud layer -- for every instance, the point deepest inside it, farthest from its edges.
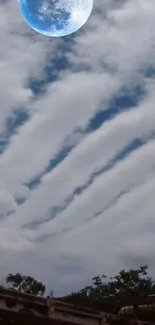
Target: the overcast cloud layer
(77, 146)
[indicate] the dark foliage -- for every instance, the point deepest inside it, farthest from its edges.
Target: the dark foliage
(25, 284)
(128, 287)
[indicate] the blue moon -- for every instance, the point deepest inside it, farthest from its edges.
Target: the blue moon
(55, 18)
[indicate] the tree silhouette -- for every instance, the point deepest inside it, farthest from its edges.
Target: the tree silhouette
(132, 282)
(25, 284)
(127, 287)
(126, 284)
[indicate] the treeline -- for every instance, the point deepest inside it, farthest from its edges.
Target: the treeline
(128, 285)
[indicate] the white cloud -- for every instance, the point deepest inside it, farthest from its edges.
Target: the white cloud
(13, 240)
(110, 53)
(113, 136)
(121, 39)
(53, 123)
(105, 190)
(7, 203)
(23, 56)
(82, 93)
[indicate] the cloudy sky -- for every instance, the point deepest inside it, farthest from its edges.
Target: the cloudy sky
(77, 146)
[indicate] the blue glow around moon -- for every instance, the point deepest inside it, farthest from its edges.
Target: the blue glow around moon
(55, 17)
